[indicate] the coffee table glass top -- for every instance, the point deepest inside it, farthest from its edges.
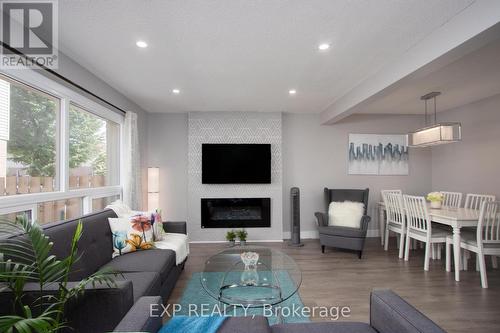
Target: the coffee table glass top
(251, 276)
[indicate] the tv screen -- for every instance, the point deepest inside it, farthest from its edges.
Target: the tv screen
(235, 163)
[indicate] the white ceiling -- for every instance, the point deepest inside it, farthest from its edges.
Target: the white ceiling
(469, 79)
(240, 55)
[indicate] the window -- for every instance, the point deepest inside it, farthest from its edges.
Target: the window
(59, 151)
(52, 211)
(28, 130)
(12, 216)
(93, 150)
(100, 203)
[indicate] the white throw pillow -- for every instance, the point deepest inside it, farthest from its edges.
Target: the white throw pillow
(131, 234)
(345, 214)
(120, 209)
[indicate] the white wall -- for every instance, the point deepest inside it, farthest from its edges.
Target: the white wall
(315, 157)
(473, 165)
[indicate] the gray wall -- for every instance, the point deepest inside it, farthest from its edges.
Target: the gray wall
(83, 77)
(315, 156)
(473, 165)
(168, 138)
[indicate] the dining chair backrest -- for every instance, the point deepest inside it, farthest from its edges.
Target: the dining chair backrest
(417, 215)
(488, 227)
(452, 199)
(391, 191)
(474, 201)
(394, 207)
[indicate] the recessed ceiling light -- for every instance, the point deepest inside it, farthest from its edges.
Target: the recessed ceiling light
(142, 44)
(176, 91)
(324, 46)
(292, 91)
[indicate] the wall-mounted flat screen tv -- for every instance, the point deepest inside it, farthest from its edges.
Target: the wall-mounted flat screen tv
(235, 163)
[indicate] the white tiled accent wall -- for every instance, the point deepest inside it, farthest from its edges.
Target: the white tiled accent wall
(224, 127)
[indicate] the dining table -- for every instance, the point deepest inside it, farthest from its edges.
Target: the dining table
(457, 218)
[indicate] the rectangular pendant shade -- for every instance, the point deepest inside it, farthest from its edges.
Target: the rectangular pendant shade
(435, 135)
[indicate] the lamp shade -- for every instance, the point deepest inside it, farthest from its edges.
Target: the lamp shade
(153, 180)
(435, 135)
(153, 201)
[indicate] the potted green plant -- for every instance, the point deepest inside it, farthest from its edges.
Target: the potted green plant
(242, 235)
(18, 266)
(230, 237)
(436, 199)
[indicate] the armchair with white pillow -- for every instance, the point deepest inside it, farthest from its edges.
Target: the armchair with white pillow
(345, 221)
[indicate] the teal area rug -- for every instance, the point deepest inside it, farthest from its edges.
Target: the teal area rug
(195, 301)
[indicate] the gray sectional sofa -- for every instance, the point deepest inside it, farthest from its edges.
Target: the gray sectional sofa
(144, 273)
(389, 313)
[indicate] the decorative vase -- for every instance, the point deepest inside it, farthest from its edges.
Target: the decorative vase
(249, 276)
(249, 258)
(243, 243)
(232, 243)
(436, 204)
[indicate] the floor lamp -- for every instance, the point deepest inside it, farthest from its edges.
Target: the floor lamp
(153, 188)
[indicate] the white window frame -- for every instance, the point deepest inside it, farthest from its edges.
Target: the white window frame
(23, 202)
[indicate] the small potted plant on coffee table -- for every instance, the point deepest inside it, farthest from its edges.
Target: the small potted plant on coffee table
(230, 237)
(242, 235)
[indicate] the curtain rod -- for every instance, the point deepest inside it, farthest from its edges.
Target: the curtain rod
(65, 79)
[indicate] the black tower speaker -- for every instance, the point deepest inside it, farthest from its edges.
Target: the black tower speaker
(295, 217)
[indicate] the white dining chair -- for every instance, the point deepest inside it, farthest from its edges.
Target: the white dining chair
(474, 201)
(382, 221)
(452, 199)
(485, 241)
(419, 227)
(396, 218)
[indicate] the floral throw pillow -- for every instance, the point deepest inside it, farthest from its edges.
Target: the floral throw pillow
(131, 234)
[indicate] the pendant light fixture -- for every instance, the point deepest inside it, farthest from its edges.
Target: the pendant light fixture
(436, 134)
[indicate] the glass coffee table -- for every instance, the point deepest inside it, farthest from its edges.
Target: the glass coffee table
(251, 276)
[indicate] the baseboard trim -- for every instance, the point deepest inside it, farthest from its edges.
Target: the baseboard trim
(307, 234)
(248, 241)
(313, 234)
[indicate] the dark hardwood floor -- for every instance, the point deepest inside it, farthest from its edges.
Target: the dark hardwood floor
(338, 278)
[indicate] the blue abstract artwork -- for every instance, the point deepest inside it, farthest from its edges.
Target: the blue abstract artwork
(377, 154)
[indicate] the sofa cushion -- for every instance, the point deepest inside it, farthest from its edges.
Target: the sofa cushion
(143, 283)
(324, 327)
(390, 313)
(342, 231)
(138, 318)
(257, 324)
(94, 248)
(160, 261)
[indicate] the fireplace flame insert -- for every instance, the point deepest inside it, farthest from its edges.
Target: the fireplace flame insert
(235, 212)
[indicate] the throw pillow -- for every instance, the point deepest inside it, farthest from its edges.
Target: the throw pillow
(345, 214)
(120, 209)
(131, 234)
